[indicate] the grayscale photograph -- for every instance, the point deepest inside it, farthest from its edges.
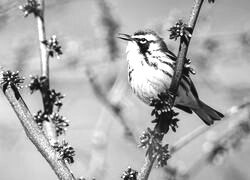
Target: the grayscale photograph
(124, 90)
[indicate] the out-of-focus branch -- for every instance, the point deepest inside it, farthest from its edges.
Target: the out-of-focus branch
(149, 161)
(115, 108)
(109, 28)
(185, 140)
(35, 134)
(230, 141)
(49, 127)
(99, 141)
(111, 101)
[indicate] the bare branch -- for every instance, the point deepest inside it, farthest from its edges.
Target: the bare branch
(146, 169)
(184, 48)
(49, 127)
(36, 135)
(42, 38)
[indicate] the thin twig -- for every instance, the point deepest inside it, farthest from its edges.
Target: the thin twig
(49, 127)
(146, 169)
(36, 136)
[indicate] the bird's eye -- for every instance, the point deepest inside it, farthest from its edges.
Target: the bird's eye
(143, 41)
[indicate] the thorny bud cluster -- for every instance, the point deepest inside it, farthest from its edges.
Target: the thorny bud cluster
(162, 111)
(56, 98)
(61, 123)
(162, 156)
(187, 68)
(129, 174)
(151, 139)
(53, 47)
(165, 117)
(181, 30)
(40, 117)
(31, 6)
(66, 152)
(36, 83)
(12, 80)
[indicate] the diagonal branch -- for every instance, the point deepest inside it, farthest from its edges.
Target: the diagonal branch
(36, 135)
(230, 141)
(182, 142)
(147, 167)
(184, 48)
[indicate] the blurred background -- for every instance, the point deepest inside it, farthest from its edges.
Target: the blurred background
(92, 73)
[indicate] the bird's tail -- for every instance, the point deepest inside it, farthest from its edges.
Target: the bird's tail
(207, 114)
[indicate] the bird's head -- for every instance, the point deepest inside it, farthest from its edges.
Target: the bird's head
(144, 42)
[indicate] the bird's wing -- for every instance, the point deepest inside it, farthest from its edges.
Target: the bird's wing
(184, 77)
(170, 55)
(184, 108)
(188, 80)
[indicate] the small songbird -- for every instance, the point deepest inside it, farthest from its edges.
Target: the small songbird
(150, 70)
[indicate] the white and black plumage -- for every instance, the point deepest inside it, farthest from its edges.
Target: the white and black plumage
(150, 71)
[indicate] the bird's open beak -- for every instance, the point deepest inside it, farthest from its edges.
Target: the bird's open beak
(125, 37)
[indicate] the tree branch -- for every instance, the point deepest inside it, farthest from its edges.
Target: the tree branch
(146, 169)
(49, 127)
(182, 142)
(115, 108)
(36, 135)
(184, 48)
(42, 38)
(229, 141)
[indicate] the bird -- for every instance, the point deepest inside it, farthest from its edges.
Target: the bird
(150, 71)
